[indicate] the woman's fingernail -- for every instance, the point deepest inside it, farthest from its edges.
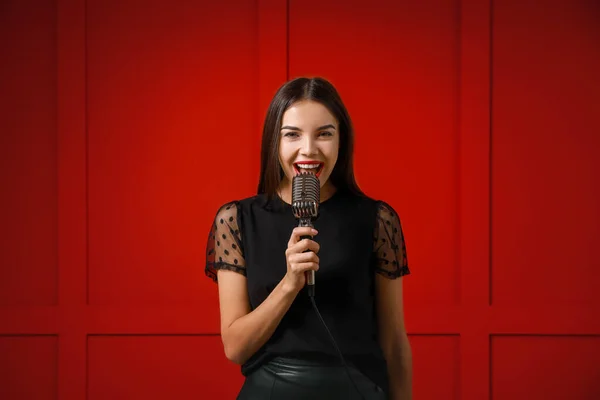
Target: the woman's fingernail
(314, 231)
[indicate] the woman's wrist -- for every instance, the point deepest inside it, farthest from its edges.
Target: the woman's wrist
(287, 287)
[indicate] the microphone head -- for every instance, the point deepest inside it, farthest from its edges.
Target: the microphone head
(306, 195)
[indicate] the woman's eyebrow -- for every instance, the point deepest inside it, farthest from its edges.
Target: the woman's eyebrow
(328, 126)
(294, 128)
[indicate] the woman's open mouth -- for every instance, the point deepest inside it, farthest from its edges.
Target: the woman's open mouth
(311, 167)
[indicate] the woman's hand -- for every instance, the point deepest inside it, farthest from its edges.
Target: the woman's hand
(299, 261)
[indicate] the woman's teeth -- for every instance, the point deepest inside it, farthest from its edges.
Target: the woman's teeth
(310, 168)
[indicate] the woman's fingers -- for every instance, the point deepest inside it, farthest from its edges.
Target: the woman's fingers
(305, 266)
(299, 232)
(303, 257)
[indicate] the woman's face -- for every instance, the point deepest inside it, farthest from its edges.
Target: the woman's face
(309, 141)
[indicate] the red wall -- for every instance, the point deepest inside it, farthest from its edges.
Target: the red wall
(125, 124)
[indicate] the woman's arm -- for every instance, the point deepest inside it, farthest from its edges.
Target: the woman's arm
(243, 331)
(393, 338)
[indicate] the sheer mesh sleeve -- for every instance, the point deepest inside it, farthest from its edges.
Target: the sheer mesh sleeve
(389, 246)
(224, 249)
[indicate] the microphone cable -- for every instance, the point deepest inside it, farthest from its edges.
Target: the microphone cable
(311, 291)
(305, 205)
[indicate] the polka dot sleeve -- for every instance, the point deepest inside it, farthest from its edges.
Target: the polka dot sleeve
(389, 246)
(224, 249)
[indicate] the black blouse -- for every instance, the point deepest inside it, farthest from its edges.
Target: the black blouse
(358, 237)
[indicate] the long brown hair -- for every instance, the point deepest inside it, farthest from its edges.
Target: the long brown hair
(315, 89)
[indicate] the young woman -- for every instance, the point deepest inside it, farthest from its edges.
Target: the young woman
(268, 323)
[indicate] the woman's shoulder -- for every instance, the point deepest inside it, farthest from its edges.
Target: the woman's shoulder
(237, 204)
(366, 198)
(383, 206)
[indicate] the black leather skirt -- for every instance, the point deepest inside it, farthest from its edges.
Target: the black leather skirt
(291, 379)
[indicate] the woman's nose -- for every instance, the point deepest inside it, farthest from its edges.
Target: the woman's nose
(308, 147)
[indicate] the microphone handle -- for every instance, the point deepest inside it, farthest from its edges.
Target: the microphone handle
(310, 275)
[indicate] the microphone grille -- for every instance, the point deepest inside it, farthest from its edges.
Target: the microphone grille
(305, 195)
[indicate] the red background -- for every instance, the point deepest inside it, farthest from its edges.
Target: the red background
(125, 124)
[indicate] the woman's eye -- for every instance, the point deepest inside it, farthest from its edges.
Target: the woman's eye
(290, 134)
(326, 133)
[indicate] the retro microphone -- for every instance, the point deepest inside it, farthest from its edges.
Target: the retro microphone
(305, 205)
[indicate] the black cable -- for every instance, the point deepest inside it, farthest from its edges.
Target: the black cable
(312, 300)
